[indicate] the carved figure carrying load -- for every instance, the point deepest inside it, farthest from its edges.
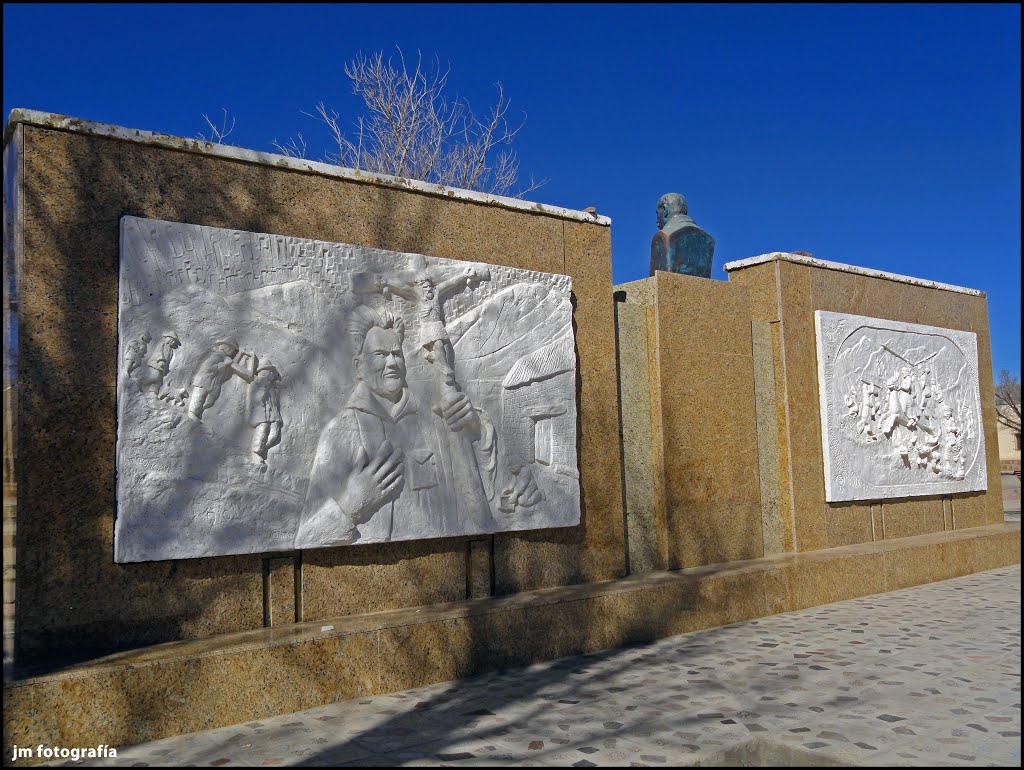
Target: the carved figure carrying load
(215, 368)
(263, 405)
(135, 352)
(150, 377)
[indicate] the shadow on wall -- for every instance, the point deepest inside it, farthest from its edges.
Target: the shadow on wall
(73, 602)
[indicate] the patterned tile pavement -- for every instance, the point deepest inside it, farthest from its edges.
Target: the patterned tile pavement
(926, 676)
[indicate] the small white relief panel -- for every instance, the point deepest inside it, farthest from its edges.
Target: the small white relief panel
(900, 409)
(277, 393)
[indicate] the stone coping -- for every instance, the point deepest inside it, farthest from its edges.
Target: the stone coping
(801, 259)
(167, 141)
(242, 641)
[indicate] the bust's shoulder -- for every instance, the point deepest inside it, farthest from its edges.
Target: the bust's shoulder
(679, 223)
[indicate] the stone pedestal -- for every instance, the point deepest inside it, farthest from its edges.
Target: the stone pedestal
(689, 392)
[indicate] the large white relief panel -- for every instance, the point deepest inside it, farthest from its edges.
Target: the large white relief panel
(278, 393)
(900, 409)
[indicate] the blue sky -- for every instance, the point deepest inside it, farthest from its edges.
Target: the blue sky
(886, 136)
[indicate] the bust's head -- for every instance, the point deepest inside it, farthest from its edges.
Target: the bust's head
(669, 205)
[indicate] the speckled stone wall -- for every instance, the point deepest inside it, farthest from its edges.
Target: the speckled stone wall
(705, 350)
(645, 515)
(703, 469)
(70, 594)
(786, 294)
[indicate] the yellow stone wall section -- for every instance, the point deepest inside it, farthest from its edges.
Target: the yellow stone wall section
(786, 291)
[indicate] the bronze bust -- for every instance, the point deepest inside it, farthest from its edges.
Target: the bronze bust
(680, 246)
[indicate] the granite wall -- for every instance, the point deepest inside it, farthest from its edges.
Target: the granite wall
(703, 469)
(71, 599)
(717, 384)
(717, 456)
(721, 422)
(785, 292)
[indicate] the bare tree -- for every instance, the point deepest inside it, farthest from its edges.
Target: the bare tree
(410, 128)
(1008, 400)
(217, 134)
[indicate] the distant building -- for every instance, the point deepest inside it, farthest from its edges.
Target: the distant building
(1009, 447)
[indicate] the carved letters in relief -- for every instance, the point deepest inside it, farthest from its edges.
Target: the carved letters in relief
(280, 393)
(900, 409)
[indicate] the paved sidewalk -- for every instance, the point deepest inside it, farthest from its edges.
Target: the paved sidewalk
(920, 677)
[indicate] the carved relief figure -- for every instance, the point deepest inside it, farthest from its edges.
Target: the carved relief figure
(900, 417)
(427, 289)
(952, 463)
(135, 352)
(868, 412)
(150, 377)
(909, 419)
(215, 368)
(263, 405)
(924, 390)
(386, 468)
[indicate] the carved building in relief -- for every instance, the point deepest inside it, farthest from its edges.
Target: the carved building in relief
(900, 409)
(317, 394)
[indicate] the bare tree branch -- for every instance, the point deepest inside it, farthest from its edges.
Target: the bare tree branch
(217, 134)
(1008, 400)
(295, 147)
(330, 118)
